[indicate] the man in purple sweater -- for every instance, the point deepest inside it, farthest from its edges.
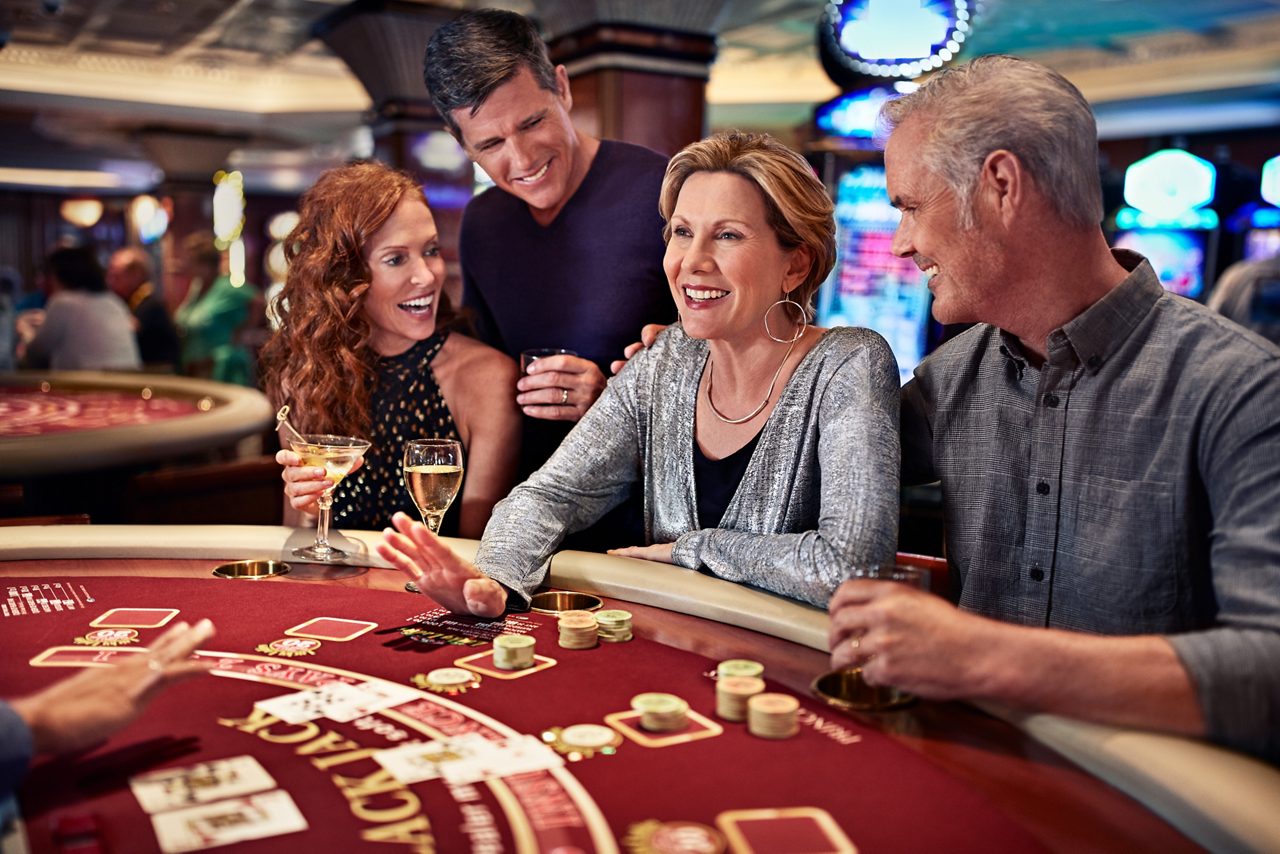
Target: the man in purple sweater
(566, 250)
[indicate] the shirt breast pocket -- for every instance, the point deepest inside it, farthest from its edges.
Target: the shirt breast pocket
(1120, 567)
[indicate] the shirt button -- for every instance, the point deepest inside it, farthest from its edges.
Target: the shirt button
(1036, 573)
(1051, 399)
(1042, 488)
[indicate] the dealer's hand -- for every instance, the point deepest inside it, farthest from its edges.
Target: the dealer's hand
(80, 711)
(560, 387)
(660, 552)
(449, 580)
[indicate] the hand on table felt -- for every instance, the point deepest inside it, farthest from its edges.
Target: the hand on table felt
(559, 388)
(452, 582)
(303, 484)
(79, 711)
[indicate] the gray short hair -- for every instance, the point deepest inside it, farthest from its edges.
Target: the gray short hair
(471, 56)
(1002, 102)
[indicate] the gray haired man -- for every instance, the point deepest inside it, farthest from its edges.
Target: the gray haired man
(1109, 453)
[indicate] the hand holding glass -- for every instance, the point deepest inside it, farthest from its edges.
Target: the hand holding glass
(846, 688)
(528, 357)
(336, 455)
(432, 474)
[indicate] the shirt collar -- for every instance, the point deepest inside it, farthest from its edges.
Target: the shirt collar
(1098, 331)
(1101, 329)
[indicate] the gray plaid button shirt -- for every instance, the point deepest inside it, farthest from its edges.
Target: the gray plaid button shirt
(1129, 485)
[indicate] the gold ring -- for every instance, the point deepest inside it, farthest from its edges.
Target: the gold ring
(564, 396)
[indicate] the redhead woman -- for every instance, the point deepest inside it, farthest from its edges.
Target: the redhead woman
(367, 347)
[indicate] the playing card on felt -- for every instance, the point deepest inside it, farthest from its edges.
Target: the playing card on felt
(370, 697)
(172, 788)
(414, 763)
(222, 823)
(302, 706)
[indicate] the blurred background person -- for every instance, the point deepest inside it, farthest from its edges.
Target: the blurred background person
(130, 274)
(368, 347)
(212, 314)
(84, 325)
(10, 289)
(1248, 292)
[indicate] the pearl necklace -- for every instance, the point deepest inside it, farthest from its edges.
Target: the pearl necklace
(711, 369)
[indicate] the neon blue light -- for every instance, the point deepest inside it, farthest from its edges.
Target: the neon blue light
(1265, 218)
(1271, 180)
(1169, 183)
(1202, 219)
(854, 114)
(895, 38)
(892, 30)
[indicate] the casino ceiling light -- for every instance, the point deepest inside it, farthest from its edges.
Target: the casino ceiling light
(228, 207)
(65, 178)
(82, 213)
(892, 38)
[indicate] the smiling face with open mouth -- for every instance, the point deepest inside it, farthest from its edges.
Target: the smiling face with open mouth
(523, 138)
(724, 263)
(958, 263)
(406, 274)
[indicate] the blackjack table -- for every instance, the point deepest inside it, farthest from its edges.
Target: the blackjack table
(71, 422)
(927, 777)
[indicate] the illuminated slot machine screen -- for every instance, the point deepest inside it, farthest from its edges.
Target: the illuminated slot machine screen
(1261, 244)
(1182, 258)
(870, 286)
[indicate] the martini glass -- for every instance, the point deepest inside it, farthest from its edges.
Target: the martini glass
(433, 474)
(336, 455)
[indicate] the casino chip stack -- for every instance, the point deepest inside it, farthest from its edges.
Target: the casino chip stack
(578, 630)
(614, 626)
(661, 712)
(733, 693)
(773, 715)
(513, 652)
(739, 667)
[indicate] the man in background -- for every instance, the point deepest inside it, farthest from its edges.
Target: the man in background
(565, 251)
(131, 275)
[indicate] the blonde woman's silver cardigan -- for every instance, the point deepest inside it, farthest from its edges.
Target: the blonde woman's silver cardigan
(819, 495)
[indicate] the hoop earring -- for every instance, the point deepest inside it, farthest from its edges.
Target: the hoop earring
(804, 321)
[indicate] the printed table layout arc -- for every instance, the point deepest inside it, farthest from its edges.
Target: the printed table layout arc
(835, 786)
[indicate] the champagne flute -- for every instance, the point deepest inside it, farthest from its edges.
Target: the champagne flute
(433, 474)
(336, 455)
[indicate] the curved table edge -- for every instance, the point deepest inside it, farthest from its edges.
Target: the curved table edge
(243, 412)
(1221, 799)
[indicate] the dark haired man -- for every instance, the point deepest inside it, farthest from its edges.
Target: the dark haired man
(566, 250)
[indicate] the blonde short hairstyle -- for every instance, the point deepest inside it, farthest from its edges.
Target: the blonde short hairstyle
(797, 205)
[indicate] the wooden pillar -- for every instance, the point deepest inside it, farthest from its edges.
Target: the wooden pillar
(638, 83)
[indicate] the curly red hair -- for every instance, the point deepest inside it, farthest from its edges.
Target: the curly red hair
(319, 361)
